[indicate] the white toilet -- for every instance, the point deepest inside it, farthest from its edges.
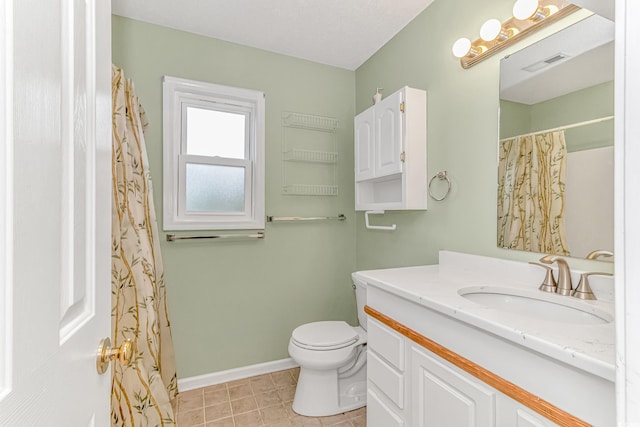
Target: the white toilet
(332, 356)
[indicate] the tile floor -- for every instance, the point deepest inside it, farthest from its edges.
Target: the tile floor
(264, 400)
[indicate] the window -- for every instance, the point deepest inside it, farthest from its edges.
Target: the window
(213, 139)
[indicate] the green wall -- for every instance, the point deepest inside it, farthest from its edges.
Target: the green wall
(515, 119)
(235, 303)
(462, 134)
(586, 104)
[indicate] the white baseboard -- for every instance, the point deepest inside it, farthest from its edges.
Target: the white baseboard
(214, 378)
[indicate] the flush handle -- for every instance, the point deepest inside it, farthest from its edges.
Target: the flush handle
(106, 354)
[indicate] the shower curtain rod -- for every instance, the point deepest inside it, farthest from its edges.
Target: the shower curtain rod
(574, 125)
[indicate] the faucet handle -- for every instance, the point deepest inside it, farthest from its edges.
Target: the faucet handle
(549, 259)
(583, 290)
(599, 253)
(549, 283)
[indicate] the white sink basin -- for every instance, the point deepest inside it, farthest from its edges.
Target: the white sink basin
(537, 304)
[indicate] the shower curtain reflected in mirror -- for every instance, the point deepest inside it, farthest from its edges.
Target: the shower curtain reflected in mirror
(142, 393)
(531, 196)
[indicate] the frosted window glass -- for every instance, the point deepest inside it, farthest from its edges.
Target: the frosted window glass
(215, 133)
(213, 188)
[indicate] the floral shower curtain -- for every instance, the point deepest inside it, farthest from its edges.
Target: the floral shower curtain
(531, 198)
(142, 393)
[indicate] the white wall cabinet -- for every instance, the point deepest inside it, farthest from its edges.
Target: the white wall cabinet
(391, 153)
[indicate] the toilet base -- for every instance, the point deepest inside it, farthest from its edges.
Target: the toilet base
(323, 393)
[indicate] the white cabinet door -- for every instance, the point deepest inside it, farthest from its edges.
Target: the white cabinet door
(364, 144)
(524, 418)
(389, 135)
(511, 413)
(444, 396)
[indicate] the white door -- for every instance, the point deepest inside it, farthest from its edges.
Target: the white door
(389, 135)
(55, 211)
(627, 211)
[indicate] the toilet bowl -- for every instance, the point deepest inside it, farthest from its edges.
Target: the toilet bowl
(332, 356)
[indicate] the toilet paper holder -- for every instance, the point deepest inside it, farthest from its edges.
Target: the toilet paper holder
(376, 227)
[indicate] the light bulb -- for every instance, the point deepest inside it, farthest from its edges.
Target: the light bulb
(551, 9)
(525, 9)
(461, 47)
(490, 30)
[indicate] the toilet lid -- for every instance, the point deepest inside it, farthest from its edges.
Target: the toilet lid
(328, 335)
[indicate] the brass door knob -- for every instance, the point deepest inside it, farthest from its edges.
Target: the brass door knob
(106, 354)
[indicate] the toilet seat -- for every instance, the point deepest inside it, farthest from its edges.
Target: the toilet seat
(324, 336)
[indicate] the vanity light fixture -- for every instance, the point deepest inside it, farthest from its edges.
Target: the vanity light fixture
(528, 16)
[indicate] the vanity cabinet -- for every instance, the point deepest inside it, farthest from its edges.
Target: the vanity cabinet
(440, 359)
(408, 385)
(391, 153)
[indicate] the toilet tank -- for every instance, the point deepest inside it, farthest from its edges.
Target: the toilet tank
(361, 299)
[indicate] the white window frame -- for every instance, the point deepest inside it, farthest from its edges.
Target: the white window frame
(178, 95)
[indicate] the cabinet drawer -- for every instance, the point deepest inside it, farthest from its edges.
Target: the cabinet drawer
(387, 343)
(386, 378)
(379, 415)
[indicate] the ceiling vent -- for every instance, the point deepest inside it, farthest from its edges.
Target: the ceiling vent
(546, 62)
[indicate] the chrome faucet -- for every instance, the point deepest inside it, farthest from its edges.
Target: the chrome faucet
(565, 287)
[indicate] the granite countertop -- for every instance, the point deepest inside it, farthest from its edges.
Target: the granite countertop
(586, 346)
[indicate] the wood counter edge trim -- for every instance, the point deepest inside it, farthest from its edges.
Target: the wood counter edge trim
(518, 394)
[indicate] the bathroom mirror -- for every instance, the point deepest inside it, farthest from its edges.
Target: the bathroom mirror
(555, 168)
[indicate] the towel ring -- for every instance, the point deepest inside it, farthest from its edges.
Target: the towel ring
(442, 176)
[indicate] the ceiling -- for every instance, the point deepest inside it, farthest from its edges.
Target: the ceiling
(334, 32)
(588, 50)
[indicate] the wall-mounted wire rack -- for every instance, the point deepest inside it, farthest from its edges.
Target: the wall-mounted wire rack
(309, 155)
(312, 156)
(310, 190)
(309, 121)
